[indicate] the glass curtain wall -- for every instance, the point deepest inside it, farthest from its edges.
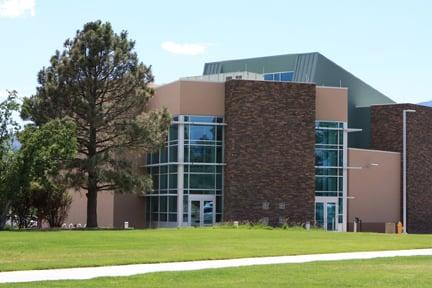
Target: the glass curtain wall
(202, 145)
(161, 204)
(329, 170)
(203, 156)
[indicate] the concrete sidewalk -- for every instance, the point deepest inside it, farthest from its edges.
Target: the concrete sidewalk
(128, 270)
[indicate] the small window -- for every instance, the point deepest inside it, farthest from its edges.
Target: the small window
(239, 77)
(279, 76)
(268, 77)
(265, 205)
(282, 205)
(228, 78)
(286, 76)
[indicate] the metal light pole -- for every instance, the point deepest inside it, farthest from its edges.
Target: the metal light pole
(404, 135)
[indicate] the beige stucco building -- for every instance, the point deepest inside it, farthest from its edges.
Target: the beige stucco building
(191, 177)
(288, 139)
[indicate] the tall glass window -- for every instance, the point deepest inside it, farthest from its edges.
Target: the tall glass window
(329, 145)
(203, 167)
(203, 156)
(161, 165)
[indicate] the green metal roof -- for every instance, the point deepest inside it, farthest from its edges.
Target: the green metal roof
(316, 68)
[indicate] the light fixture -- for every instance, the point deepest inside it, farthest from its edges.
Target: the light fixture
(372, 165)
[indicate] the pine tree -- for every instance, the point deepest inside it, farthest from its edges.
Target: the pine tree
(98, 81)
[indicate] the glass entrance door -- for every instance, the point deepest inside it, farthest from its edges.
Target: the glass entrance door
(195, 214)
(201, 210)
(325, 213)
(331, 216)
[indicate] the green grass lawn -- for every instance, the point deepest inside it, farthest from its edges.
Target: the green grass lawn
(42, 250)
(384, 272)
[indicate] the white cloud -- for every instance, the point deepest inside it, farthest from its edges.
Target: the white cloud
(15, 8)
(184, 48)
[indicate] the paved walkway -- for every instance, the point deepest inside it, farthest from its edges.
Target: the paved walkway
(128, 270)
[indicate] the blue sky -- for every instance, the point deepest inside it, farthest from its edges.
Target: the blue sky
(388, 44)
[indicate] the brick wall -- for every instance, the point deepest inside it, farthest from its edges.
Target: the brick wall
(386, 133)
(269, 151)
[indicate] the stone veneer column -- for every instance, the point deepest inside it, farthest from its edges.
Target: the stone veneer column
(386, 134)
(269, 151)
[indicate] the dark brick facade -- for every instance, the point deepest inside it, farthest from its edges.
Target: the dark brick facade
(386, 133)
(269, 151)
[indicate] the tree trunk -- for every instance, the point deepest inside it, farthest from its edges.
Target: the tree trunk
(92, 202)
(92, 179)
(92, 195)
